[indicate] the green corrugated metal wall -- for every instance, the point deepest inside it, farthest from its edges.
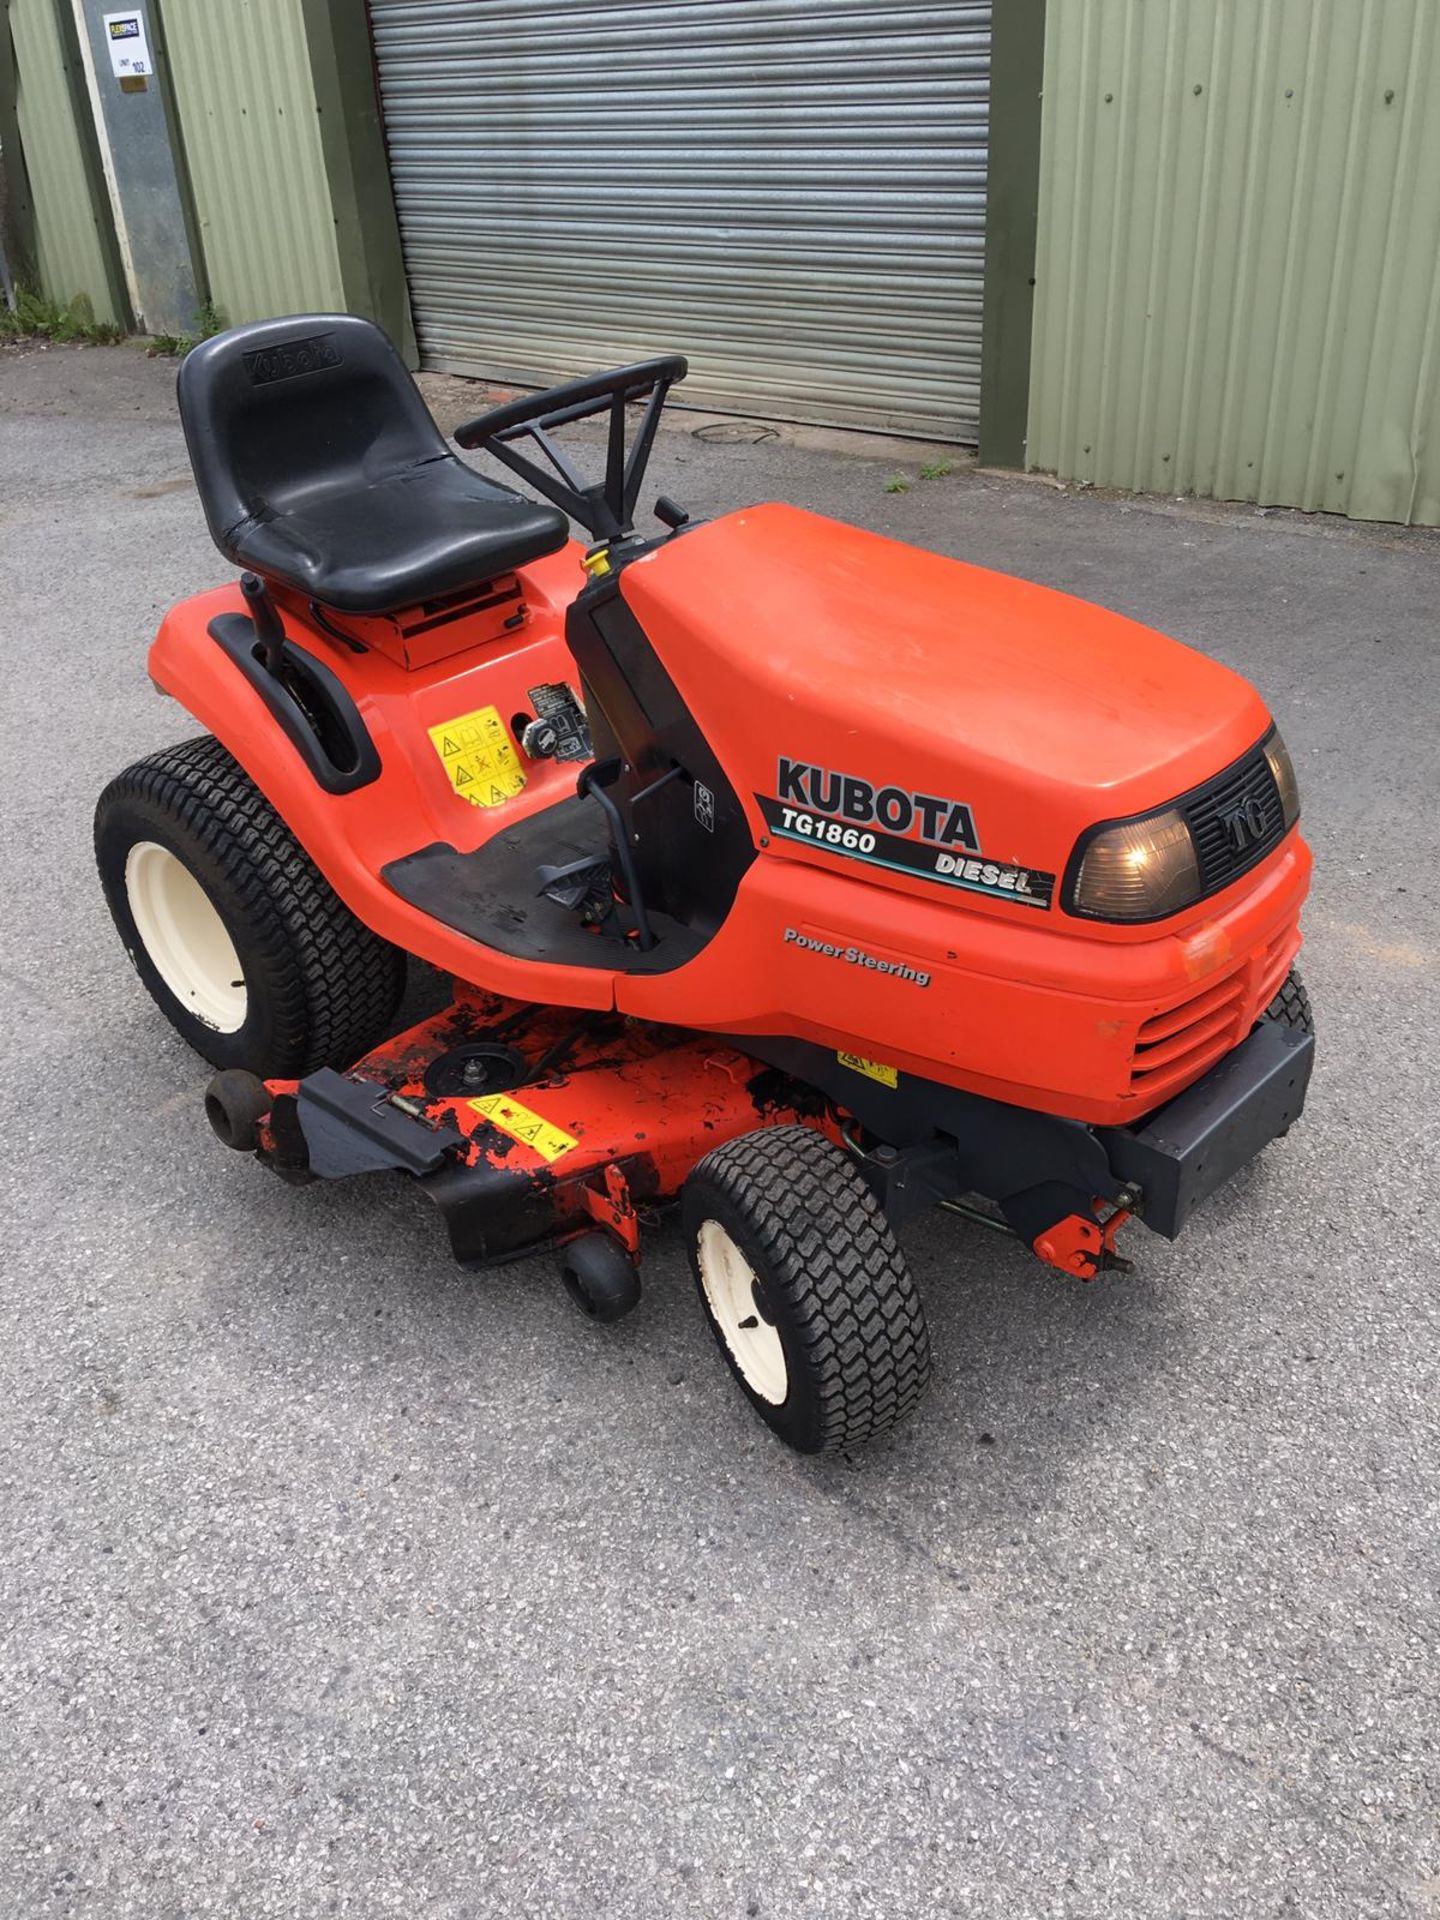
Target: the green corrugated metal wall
(250, 125)
(71, 220)
(1238, 268)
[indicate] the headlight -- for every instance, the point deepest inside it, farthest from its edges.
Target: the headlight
(1139, 870)
(1283, 769)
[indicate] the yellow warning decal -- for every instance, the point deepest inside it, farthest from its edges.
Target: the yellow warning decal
(521, 1123)
(479, 757)
(872, 1069)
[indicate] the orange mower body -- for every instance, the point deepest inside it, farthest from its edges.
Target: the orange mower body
(1026, 713)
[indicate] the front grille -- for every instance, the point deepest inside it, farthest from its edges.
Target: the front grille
(1272, 965)
(1235, 821)
(1175, 1047)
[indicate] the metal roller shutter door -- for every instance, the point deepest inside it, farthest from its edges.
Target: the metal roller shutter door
(792, 192)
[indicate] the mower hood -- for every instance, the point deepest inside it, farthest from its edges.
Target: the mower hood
(856, 677)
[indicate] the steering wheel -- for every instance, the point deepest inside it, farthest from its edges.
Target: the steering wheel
(606, 509)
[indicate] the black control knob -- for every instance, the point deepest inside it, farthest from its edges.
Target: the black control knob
(539, 738)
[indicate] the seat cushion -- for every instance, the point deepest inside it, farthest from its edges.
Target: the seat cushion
(419, 533)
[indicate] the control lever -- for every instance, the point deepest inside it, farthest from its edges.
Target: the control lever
(266, 621)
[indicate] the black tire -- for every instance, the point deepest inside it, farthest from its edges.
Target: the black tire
(1291, 1005)
(600, 1277)
(235, 1104)
(830, 1281)
(320, 989)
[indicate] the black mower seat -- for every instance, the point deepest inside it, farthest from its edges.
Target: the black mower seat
(319, 467)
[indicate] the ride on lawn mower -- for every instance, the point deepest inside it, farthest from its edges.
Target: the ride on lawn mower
(796, 874)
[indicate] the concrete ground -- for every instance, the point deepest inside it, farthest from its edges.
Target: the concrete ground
(336, 1581)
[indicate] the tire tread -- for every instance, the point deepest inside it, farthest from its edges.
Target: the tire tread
(337, 984)
(829, 1247)
(1291, 1005)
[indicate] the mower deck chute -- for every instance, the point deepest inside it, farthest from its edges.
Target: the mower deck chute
(786, 872)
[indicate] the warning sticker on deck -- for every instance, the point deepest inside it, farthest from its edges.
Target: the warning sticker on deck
(531, 1129)
(479, 757)
(872, 1069)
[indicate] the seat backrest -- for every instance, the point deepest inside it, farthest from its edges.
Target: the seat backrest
(281, 410)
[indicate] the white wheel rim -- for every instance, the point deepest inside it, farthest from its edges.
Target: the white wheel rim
(184, 936)
(730, 1293)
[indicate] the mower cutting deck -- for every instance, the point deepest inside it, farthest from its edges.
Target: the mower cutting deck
(784, 872)
(526, 1124)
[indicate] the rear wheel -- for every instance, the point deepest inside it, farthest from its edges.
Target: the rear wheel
(807, 1293)
(238, 937)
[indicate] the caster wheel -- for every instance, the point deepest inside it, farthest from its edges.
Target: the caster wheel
(600, 1277)
(235, 1103)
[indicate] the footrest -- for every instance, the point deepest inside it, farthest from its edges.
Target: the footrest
(489, 895)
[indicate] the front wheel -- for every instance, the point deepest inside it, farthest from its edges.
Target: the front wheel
(238, 937)
(1291, 1005)
(807, 1293)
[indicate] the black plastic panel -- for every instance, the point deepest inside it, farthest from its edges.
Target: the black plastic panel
(1003, 1149)
(351, 1127)
(691, 840)
(493, 895)
(1189, 1148)
(1247, 789)
(326, 731)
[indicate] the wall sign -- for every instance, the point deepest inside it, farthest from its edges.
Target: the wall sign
(129, 44)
